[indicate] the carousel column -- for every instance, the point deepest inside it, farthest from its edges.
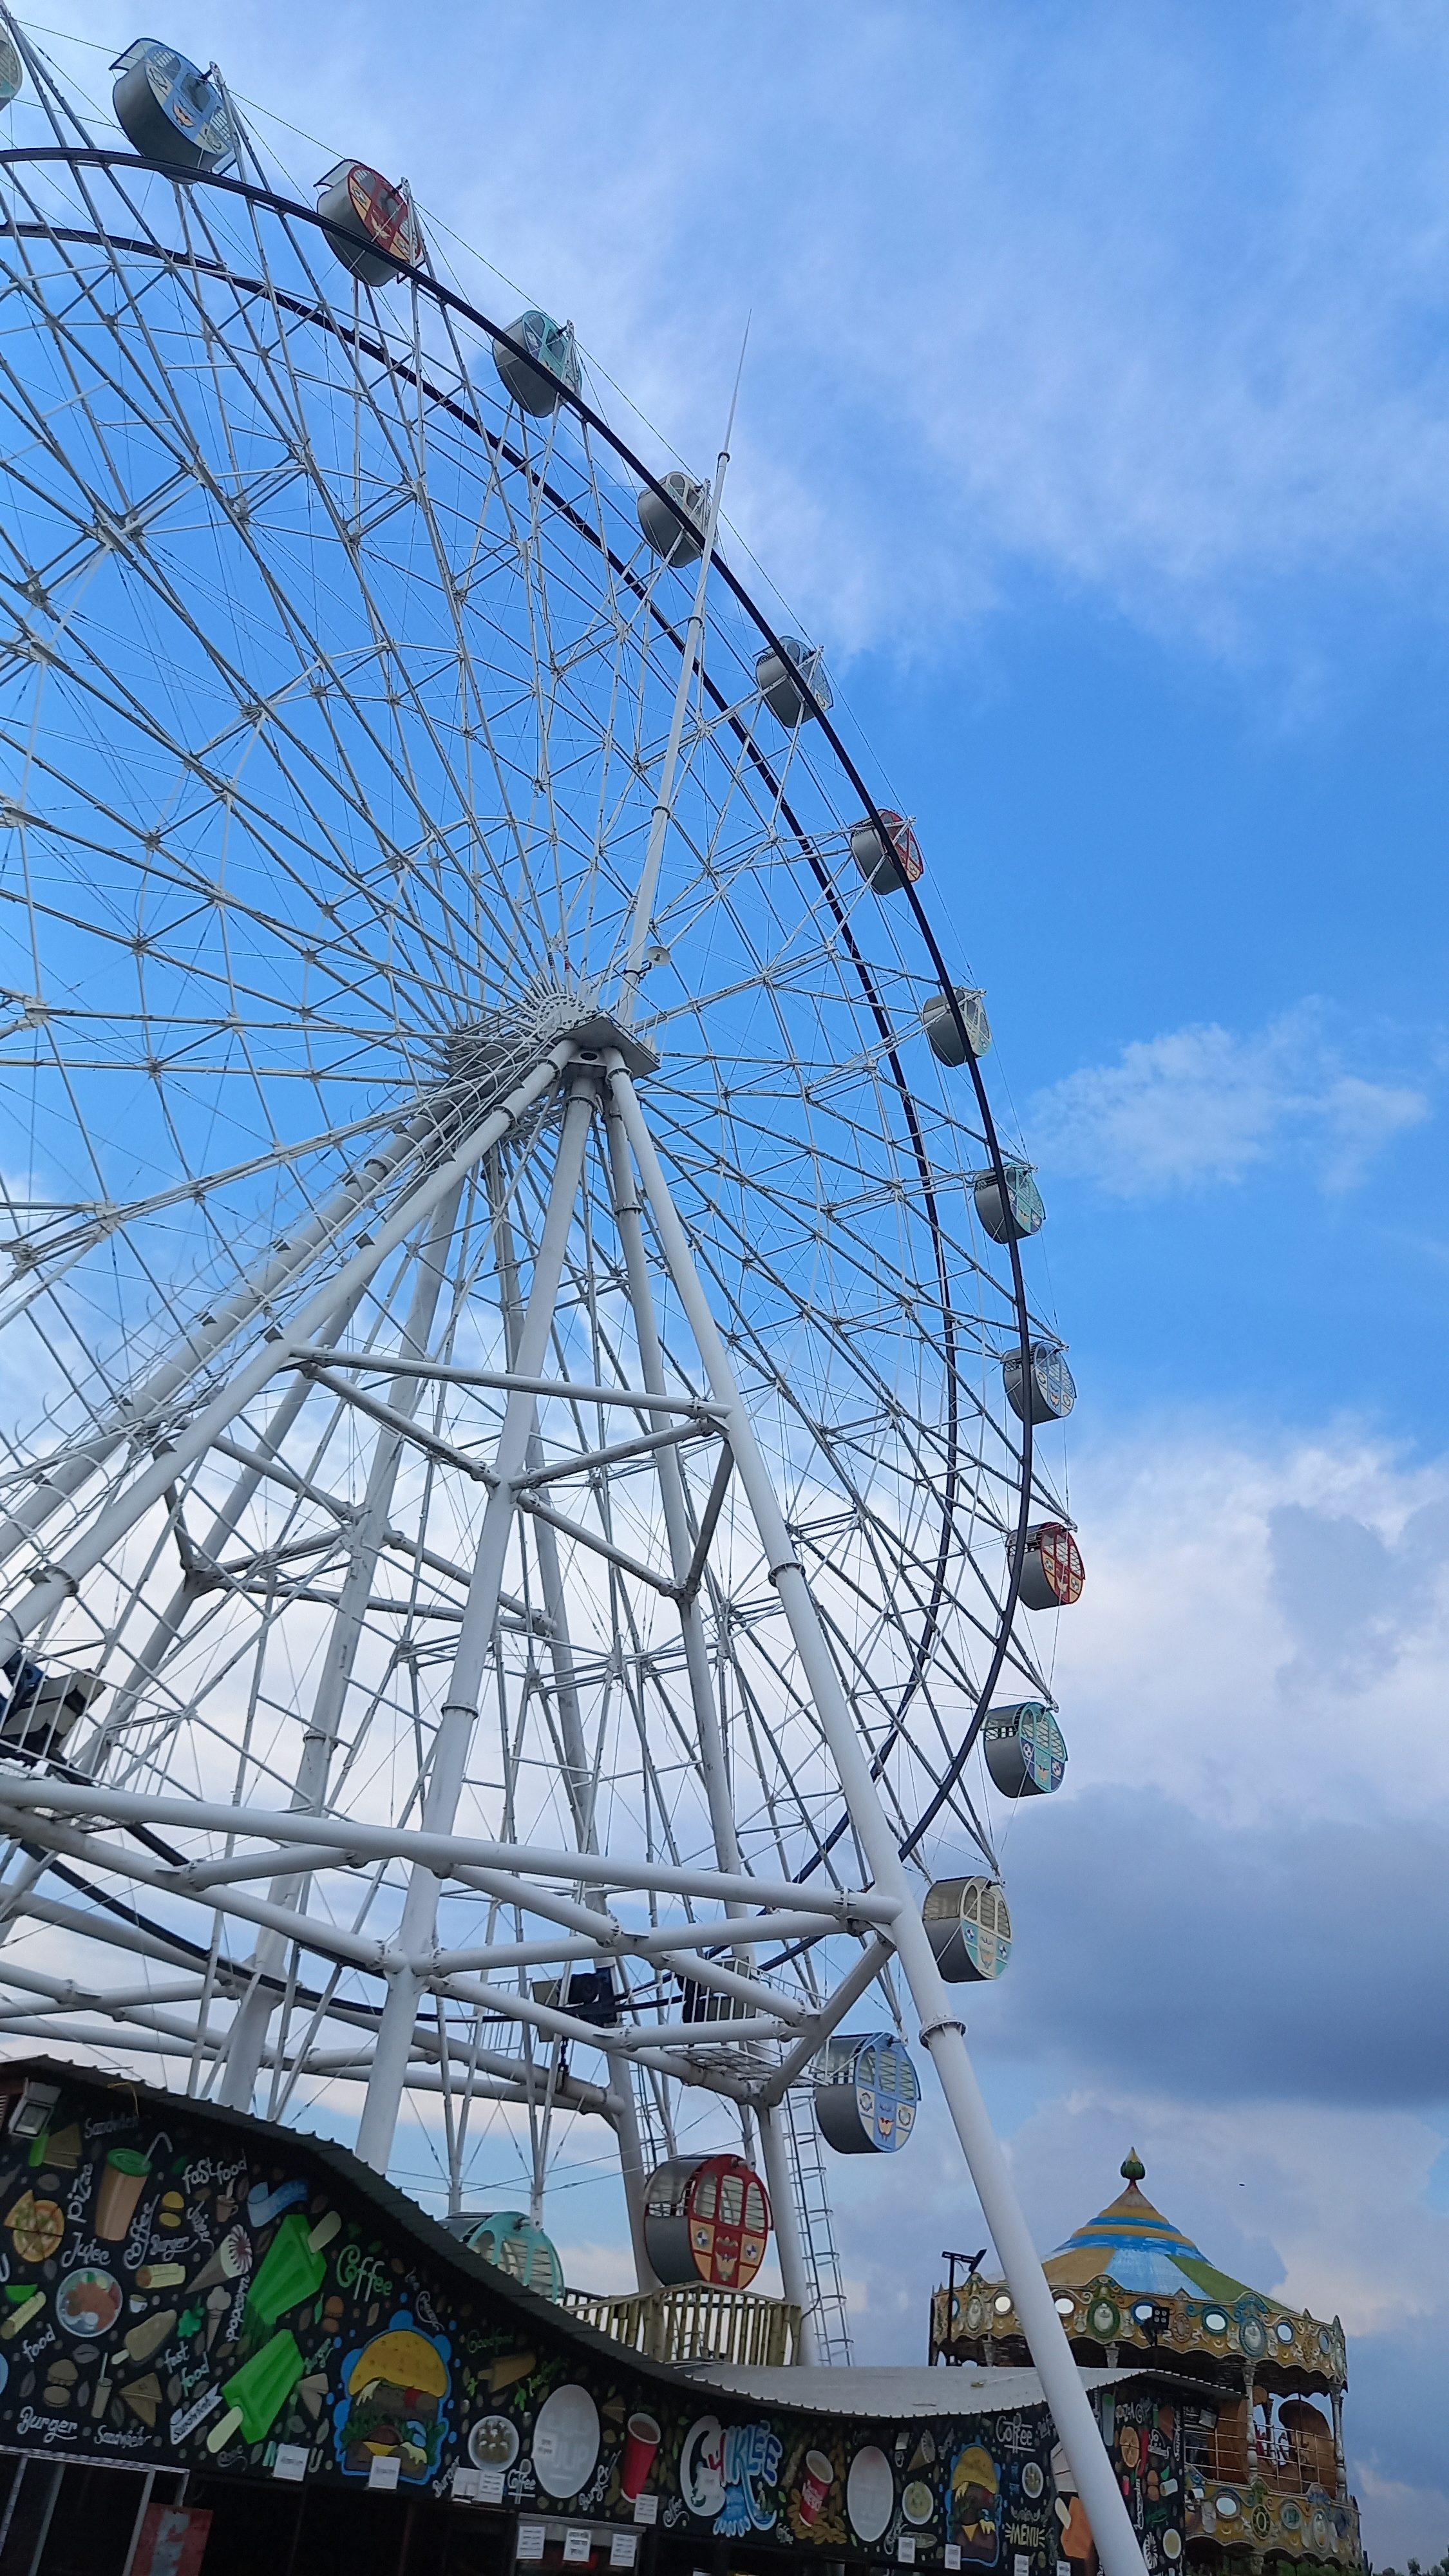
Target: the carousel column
(942, 2030)
(459, 1715)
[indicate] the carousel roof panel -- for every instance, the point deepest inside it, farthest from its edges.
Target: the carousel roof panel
(1131, 2243)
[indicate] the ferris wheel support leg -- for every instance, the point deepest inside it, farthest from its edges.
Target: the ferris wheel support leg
(789, 2244)
(247, 2039)
(671, 1492)
(942, 2031)
(475, 1637)
(623, 2109)
(623, 2113)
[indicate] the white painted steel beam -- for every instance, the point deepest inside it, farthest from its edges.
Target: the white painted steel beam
(942, 2030)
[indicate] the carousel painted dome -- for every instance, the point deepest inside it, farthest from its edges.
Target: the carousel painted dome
(1262, 2384)
(1129, 2276)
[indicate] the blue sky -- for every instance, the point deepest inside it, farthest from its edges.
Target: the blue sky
(1096, 419)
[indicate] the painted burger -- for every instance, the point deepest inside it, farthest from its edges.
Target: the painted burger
(395, 2388)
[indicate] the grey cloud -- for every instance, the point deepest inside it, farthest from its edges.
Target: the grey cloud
(1350, 1597)
(1160, 1948)
(1400, 2406)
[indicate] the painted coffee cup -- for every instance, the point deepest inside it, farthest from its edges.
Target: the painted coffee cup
(641, 2441)
(815, 2485)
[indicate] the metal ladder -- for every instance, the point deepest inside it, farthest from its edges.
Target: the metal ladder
(817, 2228)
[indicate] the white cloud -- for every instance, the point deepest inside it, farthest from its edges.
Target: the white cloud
(1201, 1105)
(1182, 1667)
(1151, 306)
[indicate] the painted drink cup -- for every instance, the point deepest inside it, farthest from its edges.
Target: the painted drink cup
(815, 2485)
(641, 2440)
(123, 2179)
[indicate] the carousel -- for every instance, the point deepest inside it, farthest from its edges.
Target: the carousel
(1262, 2384)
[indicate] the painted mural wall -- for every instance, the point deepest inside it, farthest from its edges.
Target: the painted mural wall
(187, 2289)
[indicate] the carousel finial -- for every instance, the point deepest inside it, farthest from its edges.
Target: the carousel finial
(1132, 2167)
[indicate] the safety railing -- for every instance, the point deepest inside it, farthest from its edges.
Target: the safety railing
(694, 2324)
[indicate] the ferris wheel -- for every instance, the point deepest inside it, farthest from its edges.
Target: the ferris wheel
(524, 1429)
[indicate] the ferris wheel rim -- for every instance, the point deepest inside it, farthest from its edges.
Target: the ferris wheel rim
(319, 313)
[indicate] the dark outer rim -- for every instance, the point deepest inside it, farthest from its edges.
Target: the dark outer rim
(95, 156)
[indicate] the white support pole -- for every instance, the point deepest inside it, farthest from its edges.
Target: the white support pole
(623, 2109)
(671, 1493)
(942, 2030)
(120, 1515)
(460, 1707)
(32, 1799)
(708, 1731)
(247, 2040)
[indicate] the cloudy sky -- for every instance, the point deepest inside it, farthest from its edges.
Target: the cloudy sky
(1096, 417)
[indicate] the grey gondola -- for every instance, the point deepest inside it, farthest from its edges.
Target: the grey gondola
(677, 544)
(43, 1707)
(544, 368)
(969, 1928)
(369, 223)
(778, 677)
(169, 110)
(706, 2218)
(939, 1021)
(12, 75)
(1025, 1749)
(887, 860)
(1021, 1214)
(866, 2093)
(1052, 1387)
(1052, 1573)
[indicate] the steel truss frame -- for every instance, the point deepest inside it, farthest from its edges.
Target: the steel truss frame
(406, 2009)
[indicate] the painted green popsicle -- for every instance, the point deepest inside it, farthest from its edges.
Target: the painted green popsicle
(256, 2394)
(291, 2270)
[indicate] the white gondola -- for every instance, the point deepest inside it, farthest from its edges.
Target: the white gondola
(778, 677)
(543, 367)
(1026, 1752)
(169, 110)
(1052, 1390)
(939, 1021)
(678, 543)
(12, 74)
(969, 1928)
(370, 224)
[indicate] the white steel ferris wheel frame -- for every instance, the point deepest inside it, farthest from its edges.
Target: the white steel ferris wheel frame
(560, 1093)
